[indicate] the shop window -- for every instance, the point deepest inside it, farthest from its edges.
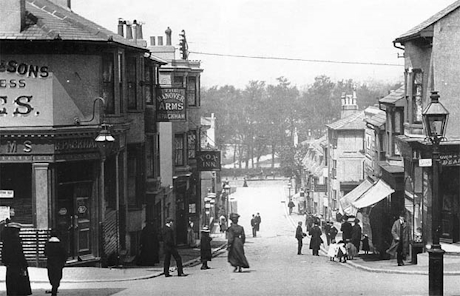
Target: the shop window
(191, 91)
(191, 144)
(132, 85)
(17, 177)
(108, 83)
(179, 149)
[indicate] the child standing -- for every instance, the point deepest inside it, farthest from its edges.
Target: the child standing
(205, 248)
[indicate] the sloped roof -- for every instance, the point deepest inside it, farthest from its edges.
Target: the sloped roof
(414, 32)
(354, 121)
(47, 21)
(377, 120)
(393, 97)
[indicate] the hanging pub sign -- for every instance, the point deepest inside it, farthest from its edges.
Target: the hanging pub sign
(208, 160)
(171, 104)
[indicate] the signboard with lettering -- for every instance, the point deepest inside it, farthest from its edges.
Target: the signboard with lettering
(449, 159)
(208, 160)
(171, 104)
(6, 193)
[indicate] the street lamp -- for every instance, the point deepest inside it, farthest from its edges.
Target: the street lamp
(209, 201)
(435, 117)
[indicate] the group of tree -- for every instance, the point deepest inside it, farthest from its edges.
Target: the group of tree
(266, 119)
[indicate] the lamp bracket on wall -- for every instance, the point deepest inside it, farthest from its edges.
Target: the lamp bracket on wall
(78, 121)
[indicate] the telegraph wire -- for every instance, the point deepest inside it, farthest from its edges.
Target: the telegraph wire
(295, 59)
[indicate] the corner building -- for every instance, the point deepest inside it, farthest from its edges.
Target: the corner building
(61, 78)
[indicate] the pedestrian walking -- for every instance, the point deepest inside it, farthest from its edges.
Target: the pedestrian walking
(365, 244)
(327, 231)
(346, 229)
(205, 248)
(17, 276)
(299, 235)
(253, 225)
(400, 232)
(245, 183)
(149, 246)
(290, 206)
(170, 249)
(258, 221)
(235, 245)
(332, 231)
(56, 257)
(356, 234)
(316, 240)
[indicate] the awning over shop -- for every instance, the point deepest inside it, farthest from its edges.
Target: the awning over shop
(348, 199)
(376, 193)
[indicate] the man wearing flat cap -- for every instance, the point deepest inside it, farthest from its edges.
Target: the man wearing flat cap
(170, 249)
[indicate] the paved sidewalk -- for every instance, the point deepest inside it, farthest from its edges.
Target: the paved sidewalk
(190, 257)
(372, 263)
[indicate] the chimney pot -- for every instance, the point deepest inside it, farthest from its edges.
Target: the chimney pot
(168, 36)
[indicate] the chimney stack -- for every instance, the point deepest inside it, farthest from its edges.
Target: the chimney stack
(12, 16)
(160, 40)
(129, 30)
(121, 27)
(152, 40)
(349, 105)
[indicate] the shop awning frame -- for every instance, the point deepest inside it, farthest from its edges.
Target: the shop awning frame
(376, 193)
(346, 202)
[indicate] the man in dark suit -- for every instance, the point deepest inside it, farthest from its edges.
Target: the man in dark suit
(253, 225)
(170, 248)
(299, 235)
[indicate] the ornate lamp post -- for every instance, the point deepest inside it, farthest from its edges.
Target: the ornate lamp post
(435, 117)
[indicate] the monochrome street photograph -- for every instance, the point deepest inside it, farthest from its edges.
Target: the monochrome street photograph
(245, 147)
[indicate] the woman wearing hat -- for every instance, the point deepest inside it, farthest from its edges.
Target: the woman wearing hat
(17, 277)
(205, 248)
(235, 246)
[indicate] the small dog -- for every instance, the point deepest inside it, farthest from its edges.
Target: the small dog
(351, 250)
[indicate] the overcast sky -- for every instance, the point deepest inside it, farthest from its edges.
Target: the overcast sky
(300, 34)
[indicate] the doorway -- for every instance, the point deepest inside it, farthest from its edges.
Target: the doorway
(73, 217)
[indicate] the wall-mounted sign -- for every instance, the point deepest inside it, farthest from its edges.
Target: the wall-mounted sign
(424, 162)
(450, 159)
(208, 160)
(171, 104)
(6, 193)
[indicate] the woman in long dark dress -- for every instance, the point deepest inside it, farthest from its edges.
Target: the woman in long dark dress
(235, 246)
(17, 277)
(149, 246)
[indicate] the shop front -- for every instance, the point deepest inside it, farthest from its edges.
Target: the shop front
(51, 180)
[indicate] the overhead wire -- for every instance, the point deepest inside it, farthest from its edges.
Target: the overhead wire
(296, 59)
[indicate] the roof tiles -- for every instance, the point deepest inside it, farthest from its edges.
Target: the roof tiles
(47, 21)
